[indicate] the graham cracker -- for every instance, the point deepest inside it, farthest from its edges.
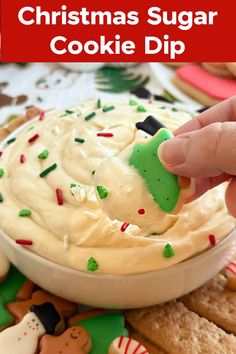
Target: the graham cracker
(177, 330)
(215, 302)
(151, 348)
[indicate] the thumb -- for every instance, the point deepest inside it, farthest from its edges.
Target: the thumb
(207, 152)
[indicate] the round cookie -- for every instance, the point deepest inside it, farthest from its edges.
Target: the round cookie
(126, 345)
(219, 69)
(203, 86)
(4, 266)
(232, 68)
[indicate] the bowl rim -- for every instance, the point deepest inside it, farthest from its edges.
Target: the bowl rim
(165, 271)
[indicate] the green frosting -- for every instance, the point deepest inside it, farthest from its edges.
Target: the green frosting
(103, 329)
(8, 292)
(162, 184)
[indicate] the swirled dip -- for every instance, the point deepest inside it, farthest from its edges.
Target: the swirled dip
(48, 196)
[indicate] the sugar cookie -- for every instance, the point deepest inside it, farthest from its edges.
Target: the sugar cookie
(203, 86)
(23, 337)
(75, 340)
(19, 308)
(126, 345)
(4, 266)
(219, 69)
(103, 329)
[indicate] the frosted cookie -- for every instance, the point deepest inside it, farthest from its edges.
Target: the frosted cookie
(74, 340)
(230, 272)
(142, 179)
(102, 328)
(4, 266)
(23, 338)
(49, 199)
(219, 69)
(232, 68)
(203, 86)
(126, 345)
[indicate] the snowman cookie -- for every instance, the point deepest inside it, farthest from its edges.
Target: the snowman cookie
(75, 340)
(23, 338)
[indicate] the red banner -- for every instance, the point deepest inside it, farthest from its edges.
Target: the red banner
(147, 30)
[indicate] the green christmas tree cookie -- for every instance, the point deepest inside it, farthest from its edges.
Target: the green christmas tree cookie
(162, 184)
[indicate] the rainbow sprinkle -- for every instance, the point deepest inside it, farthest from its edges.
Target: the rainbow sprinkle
(24, 242)
(22, 158)
(48, 170)
(108, 108)
(1, 198)
(124, 226)
(133, 103)
(99, 103)
(168, 251)
(79, 140)
(10, 141)
(33, 139)
(59, 196)
(212, 240)
(141, 108)
(105, 135)
(43, 155)
(92, 265)
(90, 116)
(102, 192)
(1, 172)
(24, 212)
(141, 211)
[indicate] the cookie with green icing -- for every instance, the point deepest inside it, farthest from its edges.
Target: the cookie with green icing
(163, 185)
(103, 329)
(8, 293)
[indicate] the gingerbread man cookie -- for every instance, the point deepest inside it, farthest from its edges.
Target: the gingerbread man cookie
(4, 266)
(126, 345)
(23, 338)
(19, 308)
(75, 340)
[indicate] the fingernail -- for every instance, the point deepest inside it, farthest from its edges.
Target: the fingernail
(173, 152)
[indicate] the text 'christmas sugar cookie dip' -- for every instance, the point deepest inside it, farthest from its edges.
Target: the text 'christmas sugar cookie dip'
(49, 203)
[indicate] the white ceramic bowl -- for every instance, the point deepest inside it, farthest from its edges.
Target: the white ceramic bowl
(120, 291)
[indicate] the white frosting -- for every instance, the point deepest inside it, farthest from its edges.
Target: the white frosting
(72, 233)
(126, 345)
(23, 337)
(4, 265)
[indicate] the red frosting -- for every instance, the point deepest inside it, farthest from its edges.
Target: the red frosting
(212, 85)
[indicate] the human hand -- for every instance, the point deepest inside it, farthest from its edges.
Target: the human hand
(205, 149)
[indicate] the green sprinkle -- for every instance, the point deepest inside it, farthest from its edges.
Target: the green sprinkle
(24, 212)
(44, 154)
(79, 140)
(48, 170)
(30, 128)
(99, 103)
(141, 108)
(108, 108)
(103, 192)
(73, 185)
(67, 111)
(133, 103)
(174, 109)
(39, 99)
(90, 116)
(10, 141)
(92, 265)
(168, 251)
(1, 198)
(162, 107)
(1, 172)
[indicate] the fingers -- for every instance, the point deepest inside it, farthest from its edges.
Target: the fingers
(207, 152)
(222, 112)
(230, 197)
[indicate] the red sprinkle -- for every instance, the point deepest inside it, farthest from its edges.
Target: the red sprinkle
(1, 152)
(212, 240)
(105, 135)
(42, 115)
(22, 158)
(33, 139)
(141, 211)
(124, 226)
(59, 196)
(24, 242)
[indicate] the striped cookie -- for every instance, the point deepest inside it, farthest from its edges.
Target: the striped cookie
(176, 330)
(126, 345)
(215, 302)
